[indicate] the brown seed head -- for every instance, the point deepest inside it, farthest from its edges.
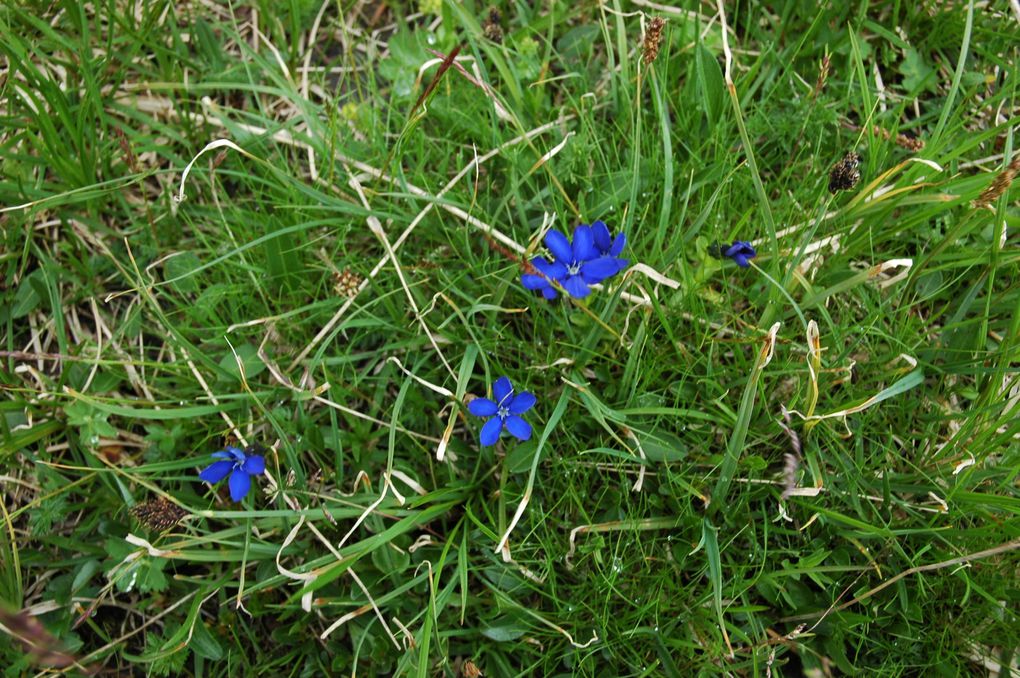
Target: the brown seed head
(158, 513)
(347, 283)
(823, 75)
(999, 185)
(653, 37)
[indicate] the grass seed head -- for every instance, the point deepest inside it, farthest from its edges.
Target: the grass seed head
(845, 174)
(491, 26)
(653, 38)
(999, 185)
(347, 283)
(158, 513)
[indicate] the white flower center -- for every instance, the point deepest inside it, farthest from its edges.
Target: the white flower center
(574, 268)
(503, 412)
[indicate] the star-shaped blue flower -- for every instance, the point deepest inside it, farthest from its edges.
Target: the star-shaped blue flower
(241, 467)
(607, 245)
(741, 252)
(504, 411)
(577, 264)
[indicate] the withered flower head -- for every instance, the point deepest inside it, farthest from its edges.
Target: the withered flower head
(158, 513)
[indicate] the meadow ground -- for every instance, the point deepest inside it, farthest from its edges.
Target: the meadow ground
(803, 466)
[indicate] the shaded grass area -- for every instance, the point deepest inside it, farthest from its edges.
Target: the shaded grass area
(335, 288)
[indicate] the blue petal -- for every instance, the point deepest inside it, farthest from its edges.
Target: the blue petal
(597, 270)
(618, 245)
(490, 432)
(240, 483)
(518, 427)
(600, 232)
(501, 389)
(222, 455)
(482, 407)
(217, 472)
(534, 282)
(550, 269)
(522, 402)
(237, 453)
(254, 466)
(576, 287)
(740, 247)
(549, 293)
(558, 245)
(741, 260)
(584, 244)
(622, 264)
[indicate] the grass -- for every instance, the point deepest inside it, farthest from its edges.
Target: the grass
(346, 271)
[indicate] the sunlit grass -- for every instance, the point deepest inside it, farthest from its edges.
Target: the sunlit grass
(805, 466)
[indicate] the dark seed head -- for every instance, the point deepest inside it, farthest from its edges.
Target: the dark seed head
(158, 514)
(846, 173)
(491, 27)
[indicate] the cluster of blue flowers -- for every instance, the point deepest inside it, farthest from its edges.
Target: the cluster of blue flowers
(590, 258)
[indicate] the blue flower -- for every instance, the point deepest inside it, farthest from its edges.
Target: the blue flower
(741, 252)
(505, 412)
(577, 264)
(241, 467)
(607, 245)
(549, 271)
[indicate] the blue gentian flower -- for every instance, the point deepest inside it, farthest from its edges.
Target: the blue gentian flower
(607, 245)
(549, 270)
(504, 410)
(241, 467)
(575, 265)
(741, 252)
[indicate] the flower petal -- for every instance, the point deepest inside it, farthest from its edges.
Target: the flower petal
(522, 402)
(501, 389)
(240, 483)
(237, 453)
(490, 432)
(618, 245)
(576, 287)
(584, 244)
(549, 293)
(558, 245)
(222, 455)
(597, 270)
(741, 247)
(741, 260)
(622, 264)
(534, 282)
(600, 233)
(217, 472)
(518, 427)
(254, 465)
(550, 269)
(482, 407)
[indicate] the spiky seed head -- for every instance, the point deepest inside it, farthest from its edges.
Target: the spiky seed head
(158, 513)
(845, 174)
